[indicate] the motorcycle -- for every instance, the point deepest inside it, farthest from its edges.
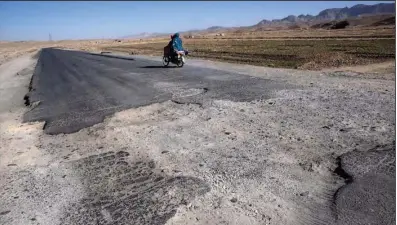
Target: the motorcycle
(177, 59)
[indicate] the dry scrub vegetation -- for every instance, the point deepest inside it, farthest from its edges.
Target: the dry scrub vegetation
(311, 49)
(303, 54)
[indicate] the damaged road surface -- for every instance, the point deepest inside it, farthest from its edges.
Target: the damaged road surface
(126, 141)
(76, 89)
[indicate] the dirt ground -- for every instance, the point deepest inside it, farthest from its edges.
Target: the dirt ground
(307, 49)
(292, 53)
(260, 162)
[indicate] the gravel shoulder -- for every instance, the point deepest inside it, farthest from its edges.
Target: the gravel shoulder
(271, 161)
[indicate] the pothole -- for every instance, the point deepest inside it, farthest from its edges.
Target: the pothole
(181, 93)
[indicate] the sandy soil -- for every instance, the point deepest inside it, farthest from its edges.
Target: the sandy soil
(385, 70)
(12, 50)
(261, 162)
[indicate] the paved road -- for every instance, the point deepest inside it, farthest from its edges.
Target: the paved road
(369, 196)
(78, 89)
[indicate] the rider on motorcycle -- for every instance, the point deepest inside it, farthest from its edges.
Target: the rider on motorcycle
(174, 52)
(177, 44)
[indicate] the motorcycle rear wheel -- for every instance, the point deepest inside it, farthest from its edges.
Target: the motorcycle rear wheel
(166, 61)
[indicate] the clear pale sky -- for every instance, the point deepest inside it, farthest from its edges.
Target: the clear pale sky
(106, 19)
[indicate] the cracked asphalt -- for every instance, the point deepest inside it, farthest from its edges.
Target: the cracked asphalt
(77, 89)
(209, 143)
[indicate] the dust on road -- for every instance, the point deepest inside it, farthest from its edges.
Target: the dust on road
(260, 161)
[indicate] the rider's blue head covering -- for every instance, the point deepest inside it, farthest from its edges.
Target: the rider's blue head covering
(177, 42)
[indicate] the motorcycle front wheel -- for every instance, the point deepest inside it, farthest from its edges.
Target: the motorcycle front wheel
(166, 61)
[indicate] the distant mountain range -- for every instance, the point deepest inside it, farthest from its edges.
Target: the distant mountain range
(144, 35)
(355, 11)
(336, 14)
